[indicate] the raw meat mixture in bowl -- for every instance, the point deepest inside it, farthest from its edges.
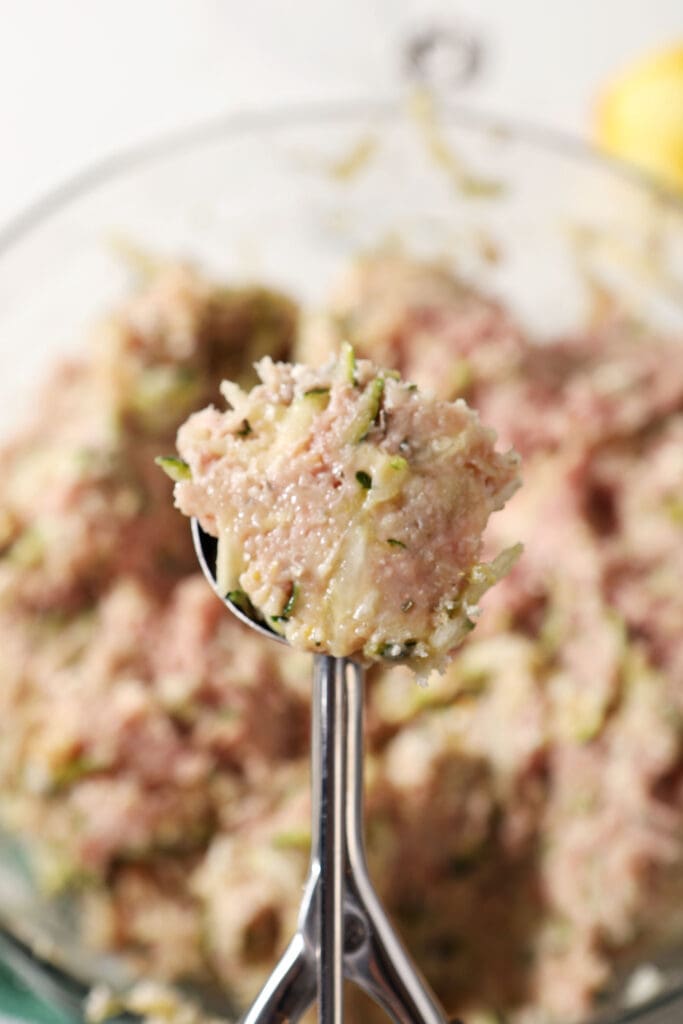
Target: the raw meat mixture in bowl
(525, 809)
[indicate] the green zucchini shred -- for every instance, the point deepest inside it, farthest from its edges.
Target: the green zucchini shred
(175, 468)
(395, 650)
(28, 550)
(292, 839)
(245, 429)
(364, 479)
(395, 543)
(75, 770)
(368, 416)
(673, 507)
(226, 714)
(241, 600)
(318, 397)
(347, 362)
(162, 396)
(286, 612)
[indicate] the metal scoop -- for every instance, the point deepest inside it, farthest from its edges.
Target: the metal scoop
(343, 931)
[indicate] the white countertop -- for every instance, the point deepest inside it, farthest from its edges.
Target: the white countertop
(80, 79)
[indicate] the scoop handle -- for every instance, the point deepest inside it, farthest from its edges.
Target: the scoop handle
(313, 963)
(343, 931)
(328, 778)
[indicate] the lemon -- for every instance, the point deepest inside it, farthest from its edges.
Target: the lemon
(640, 116)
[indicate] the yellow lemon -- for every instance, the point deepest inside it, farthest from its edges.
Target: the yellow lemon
(640, 116)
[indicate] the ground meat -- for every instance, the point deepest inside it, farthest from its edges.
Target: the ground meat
(524, 810)
(419, 319)
(80, 497)
(349, 508)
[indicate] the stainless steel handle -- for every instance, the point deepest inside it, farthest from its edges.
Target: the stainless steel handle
(327, 851)
(342, 930)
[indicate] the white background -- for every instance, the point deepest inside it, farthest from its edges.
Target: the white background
(80, 79)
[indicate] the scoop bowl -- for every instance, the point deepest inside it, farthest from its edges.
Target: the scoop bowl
(206, 548)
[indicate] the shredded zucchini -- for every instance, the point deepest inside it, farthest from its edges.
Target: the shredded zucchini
(177, 469)
(292, 839)
(318, 398)
(286, 612)
(394, 650)
(28, 550)
(368, 410)
(347, 363)
(241, 600)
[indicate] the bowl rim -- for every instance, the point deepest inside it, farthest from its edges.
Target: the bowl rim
(198, 133)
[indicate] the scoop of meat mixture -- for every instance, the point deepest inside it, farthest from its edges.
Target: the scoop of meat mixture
(349, 508)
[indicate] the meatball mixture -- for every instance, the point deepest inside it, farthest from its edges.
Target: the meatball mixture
(349, 508)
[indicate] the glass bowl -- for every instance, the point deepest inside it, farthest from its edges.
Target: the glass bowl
(288, 198)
